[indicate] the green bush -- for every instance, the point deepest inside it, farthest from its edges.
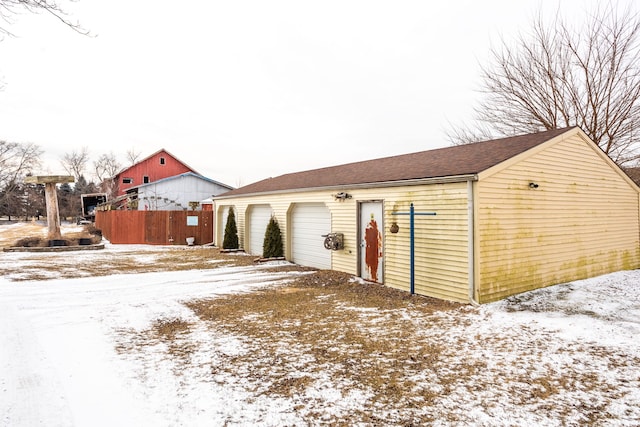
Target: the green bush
(230, 232)
(272, 246)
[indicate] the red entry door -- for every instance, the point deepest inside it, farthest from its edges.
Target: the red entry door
(371, 241)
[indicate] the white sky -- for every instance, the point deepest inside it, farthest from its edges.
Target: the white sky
(244, 90)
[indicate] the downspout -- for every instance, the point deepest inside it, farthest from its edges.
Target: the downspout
(471, 242)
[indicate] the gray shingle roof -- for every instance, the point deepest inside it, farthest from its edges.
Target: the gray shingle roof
(443, 162)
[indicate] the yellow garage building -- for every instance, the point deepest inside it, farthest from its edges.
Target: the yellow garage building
(490, 219)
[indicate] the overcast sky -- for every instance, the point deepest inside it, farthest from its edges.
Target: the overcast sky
(244, 90)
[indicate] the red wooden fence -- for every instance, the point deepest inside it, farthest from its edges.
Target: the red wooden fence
(156, 227)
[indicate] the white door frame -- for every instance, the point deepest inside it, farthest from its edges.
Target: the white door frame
(371, 238)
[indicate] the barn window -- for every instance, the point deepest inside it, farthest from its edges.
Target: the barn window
(162, 160)
(145, 179)
(127, 180)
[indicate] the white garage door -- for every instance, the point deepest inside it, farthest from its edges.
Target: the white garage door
(309, 221)
(259, 216)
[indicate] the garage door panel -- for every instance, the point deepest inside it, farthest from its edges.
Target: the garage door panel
(259, 216)
(309, 221)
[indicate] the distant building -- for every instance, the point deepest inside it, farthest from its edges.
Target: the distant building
(157, 166)
(181, 192)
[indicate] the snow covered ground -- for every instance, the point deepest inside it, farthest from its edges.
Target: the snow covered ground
(59, 363)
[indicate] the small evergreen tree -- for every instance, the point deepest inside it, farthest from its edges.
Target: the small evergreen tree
(272, 246)
(230, 232)
(66, 201)
(83, 187)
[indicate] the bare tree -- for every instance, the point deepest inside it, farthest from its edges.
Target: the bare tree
(10, 8)
(75, 162)
(16, 161)
(133, 156)
(107, 167)
(559, 76)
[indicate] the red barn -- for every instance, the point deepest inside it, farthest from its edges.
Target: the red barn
(159, 165)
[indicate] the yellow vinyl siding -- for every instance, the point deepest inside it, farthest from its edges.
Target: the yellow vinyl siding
(581, 221)
(441, 260)
(344, 220)
(441, 241)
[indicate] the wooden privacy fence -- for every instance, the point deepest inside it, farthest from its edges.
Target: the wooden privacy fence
(156, 227)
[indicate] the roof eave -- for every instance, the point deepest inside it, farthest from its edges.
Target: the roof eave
(384, 184)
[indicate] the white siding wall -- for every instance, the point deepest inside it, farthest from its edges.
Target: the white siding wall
(441, 262)
(175, 194)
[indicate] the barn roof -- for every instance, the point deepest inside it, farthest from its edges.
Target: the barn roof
(452, 161)
(160, 151)
(182, 175)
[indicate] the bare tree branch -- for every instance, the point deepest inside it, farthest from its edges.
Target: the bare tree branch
(75, 162)
(560, 76)
(133, 156)
(10, 8)
(107, 166)
(16, 162)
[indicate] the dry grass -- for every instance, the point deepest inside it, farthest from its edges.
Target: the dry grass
(33, 235)
(324, 323)
(43, 266)
(408, 360)
(168, 333)
(11, 233)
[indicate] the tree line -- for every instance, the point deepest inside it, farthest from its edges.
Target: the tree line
(19, 200)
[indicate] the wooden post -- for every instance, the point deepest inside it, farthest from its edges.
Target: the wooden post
(51, 200)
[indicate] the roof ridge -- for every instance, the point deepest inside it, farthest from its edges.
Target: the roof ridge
(440, 162)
